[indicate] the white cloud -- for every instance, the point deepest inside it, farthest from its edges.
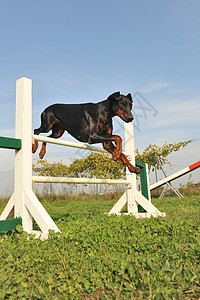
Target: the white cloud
(154, 86)
(177, 113)
(171, 88)
(186, 106)
(178, 90)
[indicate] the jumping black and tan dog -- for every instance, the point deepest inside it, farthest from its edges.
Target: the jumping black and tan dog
(89, 123)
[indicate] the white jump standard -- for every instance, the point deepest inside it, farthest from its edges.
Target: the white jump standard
(23, 203)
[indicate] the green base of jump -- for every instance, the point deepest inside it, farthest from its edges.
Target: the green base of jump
(143, 183)
(10, 143)
(143, 179)
(10, 224)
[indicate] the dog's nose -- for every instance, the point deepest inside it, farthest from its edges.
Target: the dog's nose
(130, 119)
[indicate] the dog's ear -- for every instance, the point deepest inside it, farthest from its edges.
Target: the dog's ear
(129, 97)
(115, 95)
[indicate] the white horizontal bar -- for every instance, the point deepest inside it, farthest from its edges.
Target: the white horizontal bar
(47, 179)
(170, 178)
(69, 144)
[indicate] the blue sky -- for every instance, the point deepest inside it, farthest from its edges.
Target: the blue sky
(80, 51)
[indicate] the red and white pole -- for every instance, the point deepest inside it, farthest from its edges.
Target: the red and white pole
(175, 175)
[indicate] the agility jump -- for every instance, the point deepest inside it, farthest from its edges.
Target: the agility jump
(25, 205)
(175, 175)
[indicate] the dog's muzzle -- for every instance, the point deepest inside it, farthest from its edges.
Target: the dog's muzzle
(130, 119)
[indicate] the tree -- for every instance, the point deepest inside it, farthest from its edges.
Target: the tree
(94, 165)
(97, 165)
(156, 156)
(55, 169)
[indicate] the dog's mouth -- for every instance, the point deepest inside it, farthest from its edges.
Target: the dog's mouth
(127, 119)
(125, 116)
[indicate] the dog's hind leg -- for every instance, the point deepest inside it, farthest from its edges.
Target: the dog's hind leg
(47, 122)
(57, 131)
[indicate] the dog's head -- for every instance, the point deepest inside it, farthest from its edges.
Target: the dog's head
(121, 106)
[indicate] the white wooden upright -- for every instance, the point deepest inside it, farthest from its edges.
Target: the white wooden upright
(132, 206)
(131, 197)
(23, 201)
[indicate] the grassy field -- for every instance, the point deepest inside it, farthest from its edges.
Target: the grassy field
(102, 257)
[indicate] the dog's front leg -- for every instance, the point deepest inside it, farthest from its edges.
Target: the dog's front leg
(118, 146)
(108, 146)
(101, 138)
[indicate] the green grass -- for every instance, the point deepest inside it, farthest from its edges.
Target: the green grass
(106, 257)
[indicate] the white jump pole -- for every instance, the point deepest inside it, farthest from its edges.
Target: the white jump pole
(175, 175)
(49, 179)
(131, 197)
(23, 202)
(132, 206)
(128, 197)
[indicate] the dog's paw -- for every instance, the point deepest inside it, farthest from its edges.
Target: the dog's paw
(135, 170)
(116, 155)
(34, 148)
